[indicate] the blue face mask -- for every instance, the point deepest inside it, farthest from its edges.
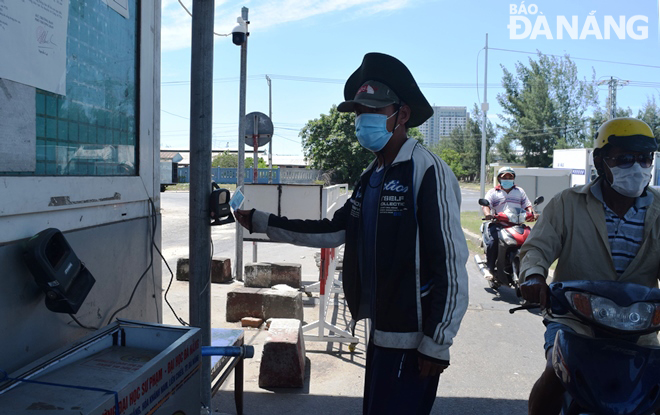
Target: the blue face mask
(371, 130)
(506, 184)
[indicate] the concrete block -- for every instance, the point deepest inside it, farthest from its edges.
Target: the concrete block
(263, 303)
(244, 302)
(220, 270)
(182, 269)
(267, 274)
(283, 358)
(252, 322)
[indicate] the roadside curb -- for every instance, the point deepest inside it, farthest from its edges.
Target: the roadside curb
(472, 236)
(476, 239)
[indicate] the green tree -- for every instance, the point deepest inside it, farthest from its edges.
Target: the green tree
(544, 107)
(230, 161)
(261, 163)
(650, 114)
(225, 160)
(453, 159)
(504, 147)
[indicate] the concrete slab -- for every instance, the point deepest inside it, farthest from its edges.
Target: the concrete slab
(268, 274)
(263, 303)
(283, 358)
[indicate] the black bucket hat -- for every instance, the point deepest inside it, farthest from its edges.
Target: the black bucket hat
(395, 75)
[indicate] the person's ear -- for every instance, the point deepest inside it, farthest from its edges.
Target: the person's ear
(404, 114)
(598, 162)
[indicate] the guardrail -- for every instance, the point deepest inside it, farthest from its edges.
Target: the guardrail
(281, 175)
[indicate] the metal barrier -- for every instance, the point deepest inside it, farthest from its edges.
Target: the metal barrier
(333, 198)
(298, 176)
(282, 175)
(327, 286)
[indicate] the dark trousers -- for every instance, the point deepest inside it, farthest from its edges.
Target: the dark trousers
(491, 240)
(393, 385)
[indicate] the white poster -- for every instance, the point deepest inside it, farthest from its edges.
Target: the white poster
(18, 148)
(33, 42)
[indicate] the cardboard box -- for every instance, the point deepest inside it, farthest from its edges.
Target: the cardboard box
(146, 368)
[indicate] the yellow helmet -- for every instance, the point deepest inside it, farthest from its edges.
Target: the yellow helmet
(628, 133)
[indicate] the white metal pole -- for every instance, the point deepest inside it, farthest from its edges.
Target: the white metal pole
(484, 109)
(255, 171)
(240, 174)
(201, 127)
(270, 143)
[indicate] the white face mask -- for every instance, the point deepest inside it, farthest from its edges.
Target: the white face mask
(632, 181)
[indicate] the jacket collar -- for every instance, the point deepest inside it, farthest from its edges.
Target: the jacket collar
(404, 154)
(597, 214)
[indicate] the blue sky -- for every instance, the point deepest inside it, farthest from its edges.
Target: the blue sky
(310, 47)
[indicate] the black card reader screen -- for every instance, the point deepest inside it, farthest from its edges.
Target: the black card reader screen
(56, 250)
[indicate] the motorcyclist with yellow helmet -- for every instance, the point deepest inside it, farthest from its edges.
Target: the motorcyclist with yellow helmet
(605, 230)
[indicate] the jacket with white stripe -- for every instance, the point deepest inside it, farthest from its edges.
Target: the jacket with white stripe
(421, 287)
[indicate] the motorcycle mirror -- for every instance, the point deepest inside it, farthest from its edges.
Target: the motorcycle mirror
(484, 202)
(538, 200)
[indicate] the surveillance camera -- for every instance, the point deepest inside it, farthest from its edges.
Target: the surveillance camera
(239, 32)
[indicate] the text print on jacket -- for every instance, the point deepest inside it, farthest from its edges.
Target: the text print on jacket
(421, 289)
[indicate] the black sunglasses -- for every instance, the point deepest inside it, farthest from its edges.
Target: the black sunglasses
(626, 161)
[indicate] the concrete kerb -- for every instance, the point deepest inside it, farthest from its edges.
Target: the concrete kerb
(477, 239)
(472, 236)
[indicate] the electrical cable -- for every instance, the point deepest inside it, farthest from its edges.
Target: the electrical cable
(583, 59)
(188, 11)
(179, 319)
(154, 223)
(82, 325)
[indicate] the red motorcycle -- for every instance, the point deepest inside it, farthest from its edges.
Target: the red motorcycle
(512, 234)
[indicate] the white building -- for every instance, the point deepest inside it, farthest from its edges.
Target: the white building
(443, 121)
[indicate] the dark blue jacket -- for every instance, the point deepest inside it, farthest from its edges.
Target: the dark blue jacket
(421, 288)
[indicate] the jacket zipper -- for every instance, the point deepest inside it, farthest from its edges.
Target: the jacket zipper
(375, 283)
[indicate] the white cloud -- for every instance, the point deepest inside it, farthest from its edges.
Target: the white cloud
(176, 23)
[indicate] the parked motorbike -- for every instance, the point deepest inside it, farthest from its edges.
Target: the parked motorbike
(609, 373)
(512, 235)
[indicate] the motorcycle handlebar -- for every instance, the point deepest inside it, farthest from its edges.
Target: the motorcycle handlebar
(528, 306)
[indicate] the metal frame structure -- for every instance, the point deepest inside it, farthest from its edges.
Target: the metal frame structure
(327, 286)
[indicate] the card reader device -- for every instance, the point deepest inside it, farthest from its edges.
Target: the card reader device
(58, 271)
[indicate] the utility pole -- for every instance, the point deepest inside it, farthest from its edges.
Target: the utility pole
(484, 109)
(613, 84)
(240, 174)
(270, 143)
(201, 127)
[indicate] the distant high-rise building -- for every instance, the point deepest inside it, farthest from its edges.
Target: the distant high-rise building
(443, 121)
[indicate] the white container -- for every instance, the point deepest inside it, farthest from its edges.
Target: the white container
(152, 368)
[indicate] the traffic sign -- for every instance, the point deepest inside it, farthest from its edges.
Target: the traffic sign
(258, 125)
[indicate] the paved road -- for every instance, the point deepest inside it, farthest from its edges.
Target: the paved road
(469, 202)
(495, 359)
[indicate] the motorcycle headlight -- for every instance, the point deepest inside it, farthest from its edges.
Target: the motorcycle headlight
(636, 317)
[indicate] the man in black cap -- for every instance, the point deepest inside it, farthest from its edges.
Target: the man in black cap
(405, 252)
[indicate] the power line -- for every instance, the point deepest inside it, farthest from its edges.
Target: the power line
(188, 11)
(576, 58)
(281, 136)
(445, 85)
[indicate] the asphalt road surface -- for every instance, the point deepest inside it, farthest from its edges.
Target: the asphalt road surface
(495, 359)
